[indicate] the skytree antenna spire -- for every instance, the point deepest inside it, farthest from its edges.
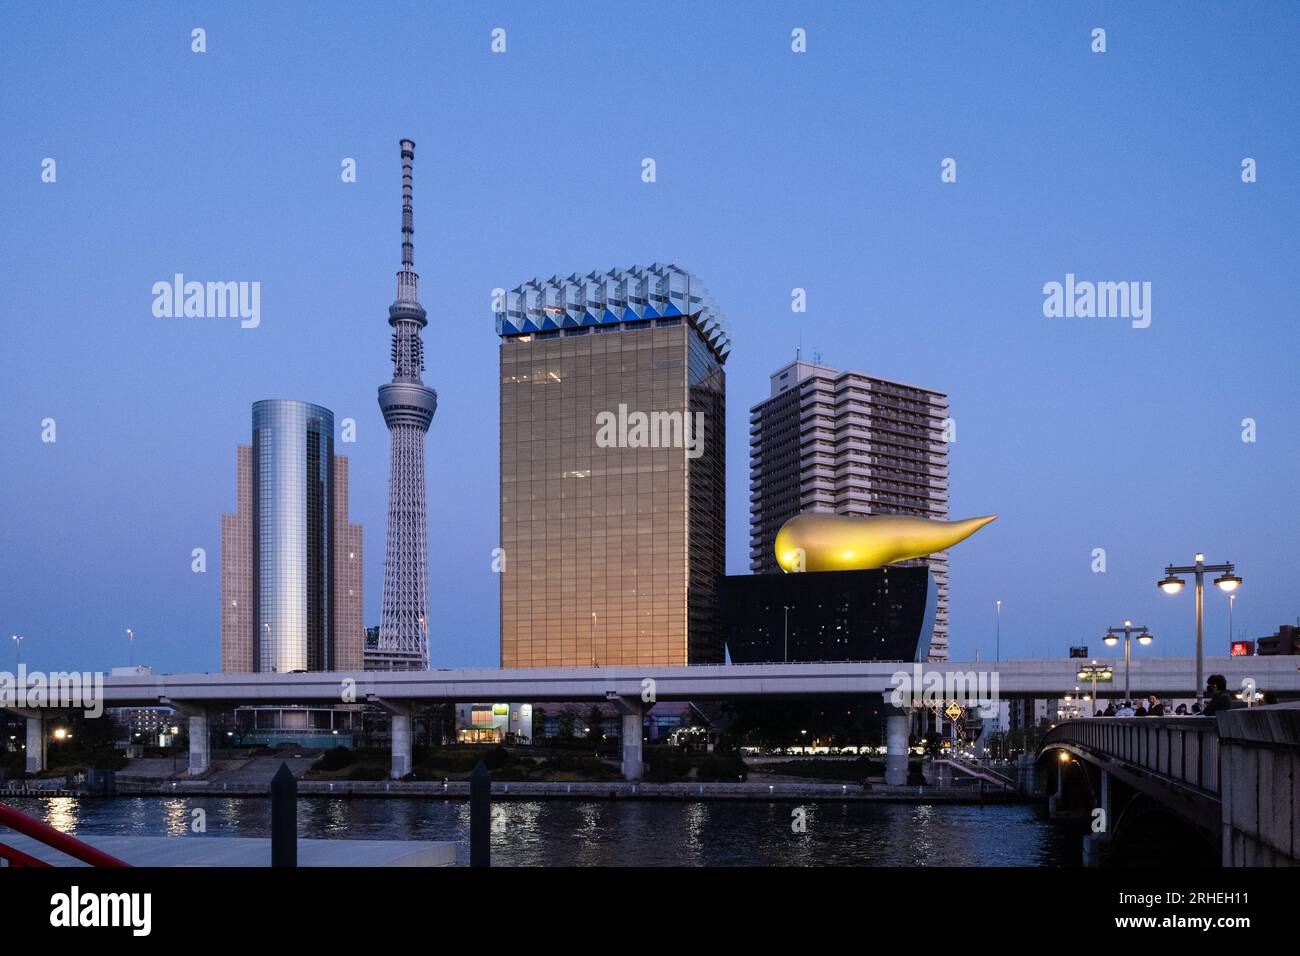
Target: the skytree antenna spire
(408, 406)
(407, 278)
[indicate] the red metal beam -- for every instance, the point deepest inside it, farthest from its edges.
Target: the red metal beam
(17, 858)
(30, 826)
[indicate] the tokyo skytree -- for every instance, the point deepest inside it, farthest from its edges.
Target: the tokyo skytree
(408, 407)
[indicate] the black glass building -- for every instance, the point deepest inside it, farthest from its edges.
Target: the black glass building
(879, 614)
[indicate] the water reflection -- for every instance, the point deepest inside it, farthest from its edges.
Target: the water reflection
(618, 833)
(176, 816)
(61, 813)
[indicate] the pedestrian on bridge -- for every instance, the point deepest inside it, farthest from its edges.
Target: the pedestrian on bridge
(1216, 688)
(1156, 708)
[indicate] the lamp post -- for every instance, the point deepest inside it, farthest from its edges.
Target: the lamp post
(1095, 672)
(130, 640)
(997, 652)
(1227, 582)
(787, 632)
(1129, 631)
(18, 648)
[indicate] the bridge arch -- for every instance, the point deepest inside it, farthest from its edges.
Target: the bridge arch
(1148, 833)
(1155, 779)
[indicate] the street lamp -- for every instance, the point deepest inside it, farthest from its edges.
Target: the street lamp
(18, 648)
(268, 651)
(1129, 631)
(130, 640)
(1095, 672)
(787, 634)
(1227, 582)
(997, 639)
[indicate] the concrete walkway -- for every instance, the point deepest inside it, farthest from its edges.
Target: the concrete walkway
(244, 851)
(614, 790)
(252, 771)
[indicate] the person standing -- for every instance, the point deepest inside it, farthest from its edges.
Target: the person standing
(1216, 688)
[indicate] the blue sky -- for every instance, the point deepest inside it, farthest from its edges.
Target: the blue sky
(775, 170)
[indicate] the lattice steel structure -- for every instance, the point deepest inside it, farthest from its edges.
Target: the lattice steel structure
(408, 406)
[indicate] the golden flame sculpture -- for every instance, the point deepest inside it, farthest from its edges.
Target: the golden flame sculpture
(830, 542)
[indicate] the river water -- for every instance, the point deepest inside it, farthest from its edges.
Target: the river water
(619, 833)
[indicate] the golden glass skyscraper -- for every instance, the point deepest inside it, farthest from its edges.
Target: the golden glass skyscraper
(612, 470)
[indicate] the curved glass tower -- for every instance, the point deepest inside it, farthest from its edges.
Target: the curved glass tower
(293, 521)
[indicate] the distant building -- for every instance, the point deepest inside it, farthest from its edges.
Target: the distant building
(558, 719)
(146, 726)
(851, 444)
(375, 657)
(291, 563)
(612, 470)
(309, 727)
(13, 731)
(494, 723)
(878, 614)
(133, 670)
(1285, 641)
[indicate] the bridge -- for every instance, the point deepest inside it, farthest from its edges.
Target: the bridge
(1192, 790)
(634, 689)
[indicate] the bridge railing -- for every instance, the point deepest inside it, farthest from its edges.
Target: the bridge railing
(42, 832)
(1185, 749)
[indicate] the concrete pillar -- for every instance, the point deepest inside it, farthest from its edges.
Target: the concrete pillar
(35, 744)
(632, 741)
(1056, 805)
(198, 744)
(1028, 779)
(897, 725)
(401, 729)
(1097, 843)
(943, 775)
